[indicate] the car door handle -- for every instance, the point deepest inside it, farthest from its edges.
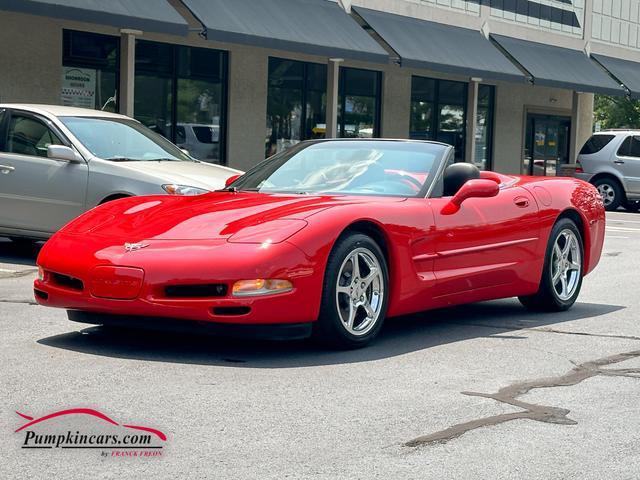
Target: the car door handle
(521, 202)
(618, 162)
(6, 169)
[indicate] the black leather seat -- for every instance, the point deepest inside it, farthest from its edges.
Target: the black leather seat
(457, 175)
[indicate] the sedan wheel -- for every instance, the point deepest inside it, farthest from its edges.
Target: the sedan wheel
(355, 293)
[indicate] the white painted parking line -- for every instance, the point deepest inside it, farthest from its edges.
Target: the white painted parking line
(614, 236)
(615, 220)
(622, 229)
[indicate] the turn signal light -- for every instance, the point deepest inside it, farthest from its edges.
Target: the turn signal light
(260, 286)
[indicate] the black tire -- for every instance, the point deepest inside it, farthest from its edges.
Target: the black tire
(613, 191)
(547, 299)
(632, 206)
(329, 329)
(112, 198)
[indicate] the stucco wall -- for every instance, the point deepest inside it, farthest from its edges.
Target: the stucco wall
(30, 59)
(585, 119)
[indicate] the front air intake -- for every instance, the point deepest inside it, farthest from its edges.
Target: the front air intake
(65, 281)
(231, 311)
(207, 290)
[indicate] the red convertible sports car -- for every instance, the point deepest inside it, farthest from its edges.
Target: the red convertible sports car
(327, 239)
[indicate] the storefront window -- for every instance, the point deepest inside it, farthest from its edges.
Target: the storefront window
(296, 103)
(359, 103)
(422, 108)
(484, 126)
(438, 112)
(180, 92)
(90, 64)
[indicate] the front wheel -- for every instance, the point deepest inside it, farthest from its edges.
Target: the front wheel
(355, 294)
(562, 274)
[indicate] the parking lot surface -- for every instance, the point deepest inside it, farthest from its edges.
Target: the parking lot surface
(482, 391)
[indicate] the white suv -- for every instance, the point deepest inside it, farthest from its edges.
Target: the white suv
(610, 160)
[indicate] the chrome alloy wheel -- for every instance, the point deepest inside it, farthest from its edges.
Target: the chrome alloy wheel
(566, 264)
(607, 193)
(360, 291)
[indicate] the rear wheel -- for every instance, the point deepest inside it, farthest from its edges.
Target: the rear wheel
(355, 294)
(610, 191)
(562, 274)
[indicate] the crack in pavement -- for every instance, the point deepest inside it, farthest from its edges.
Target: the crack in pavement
(4, 273)
(565, 332)
(28, 302)
(548, 330)
(531, 411)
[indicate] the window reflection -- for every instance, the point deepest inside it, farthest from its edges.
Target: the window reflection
(198, 115)
(359, 103)
(180, 93)
(451, 128)
(484, 126)
(90, 70)
(152, 103)
(296, 103)
(439, 111)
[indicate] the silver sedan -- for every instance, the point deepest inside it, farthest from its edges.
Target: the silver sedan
(57, 162)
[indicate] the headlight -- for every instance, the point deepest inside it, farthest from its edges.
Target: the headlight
(173, 189)
(260, 286)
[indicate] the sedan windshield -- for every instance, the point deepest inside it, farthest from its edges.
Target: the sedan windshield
(122, 140)
(355, 167)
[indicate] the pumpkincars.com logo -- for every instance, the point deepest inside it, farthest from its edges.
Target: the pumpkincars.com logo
(86, 428)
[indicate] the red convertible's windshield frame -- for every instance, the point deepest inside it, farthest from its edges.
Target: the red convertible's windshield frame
(349, 167)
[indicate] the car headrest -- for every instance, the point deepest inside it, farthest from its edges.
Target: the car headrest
(457, 175)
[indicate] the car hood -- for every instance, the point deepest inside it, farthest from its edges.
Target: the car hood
(206, 217)
(196, 174)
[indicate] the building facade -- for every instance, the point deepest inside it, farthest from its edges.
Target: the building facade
(509, 83)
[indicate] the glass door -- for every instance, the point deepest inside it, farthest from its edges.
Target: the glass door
(546, 144)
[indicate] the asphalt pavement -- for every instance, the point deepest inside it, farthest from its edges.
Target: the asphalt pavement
(482, 391)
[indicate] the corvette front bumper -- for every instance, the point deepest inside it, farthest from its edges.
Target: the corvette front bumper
(137, 284)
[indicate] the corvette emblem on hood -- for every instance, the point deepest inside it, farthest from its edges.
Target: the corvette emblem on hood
(131, 247)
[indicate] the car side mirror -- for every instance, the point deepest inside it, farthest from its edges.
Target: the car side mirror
(61, 152)
(231, 179)
(476, 188)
